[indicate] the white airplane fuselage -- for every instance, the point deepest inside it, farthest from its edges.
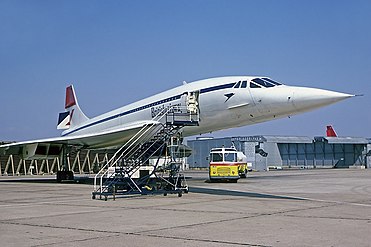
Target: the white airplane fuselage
(224, 102)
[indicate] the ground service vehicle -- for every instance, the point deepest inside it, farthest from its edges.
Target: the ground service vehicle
(227, 164)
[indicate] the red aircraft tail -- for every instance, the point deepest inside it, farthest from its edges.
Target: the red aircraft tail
(330, 132)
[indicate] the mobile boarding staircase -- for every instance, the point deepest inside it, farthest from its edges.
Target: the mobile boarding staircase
(119, 176)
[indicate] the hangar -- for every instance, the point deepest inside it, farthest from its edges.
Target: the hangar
(284, 152)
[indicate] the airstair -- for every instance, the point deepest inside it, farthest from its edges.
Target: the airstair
(139, 166)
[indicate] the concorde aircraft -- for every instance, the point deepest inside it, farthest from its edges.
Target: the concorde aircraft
(222, 102)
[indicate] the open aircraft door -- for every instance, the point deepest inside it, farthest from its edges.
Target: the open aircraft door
(193, 102)
(190, 100)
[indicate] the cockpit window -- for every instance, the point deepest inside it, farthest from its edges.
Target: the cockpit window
(263, 83)
(237, 84)
(271, 81)
(253, 85)
(244, 84)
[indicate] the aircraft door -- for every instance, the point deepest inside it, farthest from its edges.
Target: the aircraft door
(192, 106)
(192, 102)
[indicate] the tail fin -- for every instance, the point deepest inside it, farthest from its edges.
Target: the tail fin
(330, 132)
(74, 115)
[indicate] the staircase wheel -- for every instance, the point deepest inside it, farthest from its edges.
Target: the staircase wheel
(180, 194)
(165, 194)
(105, 198)
(93, 197)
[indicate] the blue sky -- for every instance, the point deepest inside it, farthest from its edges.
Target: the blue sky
(117, 52)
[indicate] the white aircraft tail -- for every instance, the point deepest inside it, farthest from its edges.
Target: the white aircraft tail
(73, 116)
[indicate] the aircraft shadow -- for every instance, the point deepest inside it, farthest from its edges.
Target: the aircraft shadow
(223, 192)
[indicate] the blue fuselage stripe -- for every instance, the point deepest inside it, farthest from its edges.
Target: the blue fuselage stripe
(215, 88)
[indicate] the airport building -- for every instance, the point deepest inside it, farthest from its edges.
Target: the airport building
(281, 152)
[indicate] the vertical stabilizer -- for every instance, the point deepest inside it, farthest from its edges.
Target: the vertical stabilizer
(330, 132)
(73, 116)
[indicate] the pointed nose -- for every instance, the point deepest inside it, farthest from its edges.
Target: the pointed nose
(305, 99)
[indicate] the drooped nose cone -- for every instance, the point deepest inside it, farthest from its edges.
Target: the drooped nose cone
(305, 99)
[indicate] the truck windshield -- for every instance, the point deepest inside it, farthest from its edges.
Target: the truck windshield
(216, 157)
(231, 157)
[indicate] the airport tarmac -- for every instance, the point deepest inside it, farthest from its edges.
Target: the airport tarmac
(276, 208)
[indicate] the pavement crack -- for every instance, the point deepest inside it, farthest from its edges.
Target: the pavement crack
(201, 240)
(327, 217)
(59, 227)
(64, 242)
